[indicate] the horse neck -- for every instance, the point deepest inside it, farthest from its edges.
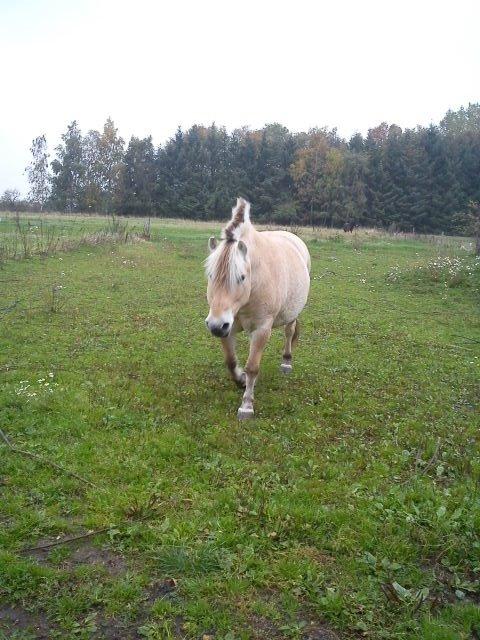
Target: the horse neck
(249, 234)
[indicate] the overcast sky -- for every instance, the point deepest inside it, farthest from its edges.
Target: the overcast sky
(154, 65)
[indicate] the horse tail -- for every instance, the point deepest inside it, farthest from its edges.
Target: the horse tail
(296, 333)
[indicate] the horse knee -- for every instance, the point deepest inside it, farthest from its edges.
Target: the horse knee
(252, 370)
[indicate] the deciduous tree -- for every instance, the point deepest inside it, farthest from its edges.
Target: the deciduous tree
(38, 173)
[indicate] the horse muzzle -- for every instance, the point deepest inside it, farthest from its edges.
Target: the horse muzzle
(219, 330)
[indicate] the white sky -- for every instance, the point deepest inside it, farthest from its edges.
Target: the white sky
(154, 65)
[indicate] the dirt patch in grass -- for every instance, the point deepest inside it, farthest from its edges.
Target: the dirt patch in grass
(263, 629)
(113, 629)
(316, 632)
(14, 619)
(317, 556)
(447, 585)
(307, 625)
(81, 553)
(161, 589)
(113, 563)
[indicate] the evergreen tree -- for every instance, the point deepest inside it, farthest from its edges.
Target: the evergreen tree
(376, 178)
(445, 190)
(420, 179)
(69, 172)
(138, 178)
(354, 179)
(93, 181)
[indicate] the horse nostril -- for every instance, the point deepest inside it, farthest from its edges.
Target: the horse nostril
(225, 326)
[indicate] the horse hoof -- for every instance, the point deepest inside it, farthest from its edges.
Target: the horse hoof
(286, 368)
(245, 414)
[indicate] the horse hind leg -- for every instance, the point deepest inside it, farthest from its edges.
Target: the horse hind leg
(291, 338)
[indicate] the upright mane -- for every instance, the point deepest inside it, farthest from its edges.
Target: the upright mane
(240, 217)
(224, 266)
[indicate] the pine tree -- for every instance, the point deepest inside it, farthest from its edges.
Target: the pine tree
(138, 178)
(354, 179)
(69, 172)
(415, 179)
(93, 179)
(445, 189)
(395, 195)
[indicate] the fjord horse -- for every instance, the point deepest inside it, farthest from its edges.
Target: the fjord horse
(257, 280)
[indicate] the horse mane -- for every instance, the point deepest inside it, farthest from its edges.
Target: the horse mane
(224, 266)
(240, 217)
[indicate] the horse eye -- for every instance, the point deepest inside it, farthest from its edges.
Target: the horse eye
(242, 277)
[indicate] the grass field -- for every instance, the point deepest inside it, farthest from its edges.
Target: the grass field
(349, 508)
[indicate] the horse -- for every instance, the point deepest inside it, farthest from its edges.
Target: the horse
(348, 227)
(257, 280)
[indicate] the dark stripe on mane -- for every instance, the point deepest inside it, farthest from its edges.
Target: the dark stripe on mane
(237, 219)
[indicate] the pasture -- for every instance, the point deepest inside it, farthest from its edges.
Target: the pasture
(349, 507)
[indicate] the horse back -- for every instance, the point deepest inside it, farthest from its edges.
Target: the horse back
(292, 239)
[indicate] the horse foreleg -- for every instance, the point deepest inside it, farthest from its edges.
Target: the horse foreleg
(258, 341)
(236, 372)
(290, 337)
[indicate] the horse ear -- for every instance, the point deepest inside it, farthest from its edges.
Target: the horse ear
(212, 244)
(242, 247)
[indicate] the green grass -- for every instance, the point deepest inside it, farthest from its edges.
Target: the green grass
(350, 505)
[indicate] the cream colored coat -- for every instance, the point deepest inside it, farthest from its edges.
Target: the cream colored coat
(280, 265)
(257, 280)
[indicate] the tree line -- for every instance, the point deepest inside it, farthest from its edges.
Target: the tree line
(423, 179)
